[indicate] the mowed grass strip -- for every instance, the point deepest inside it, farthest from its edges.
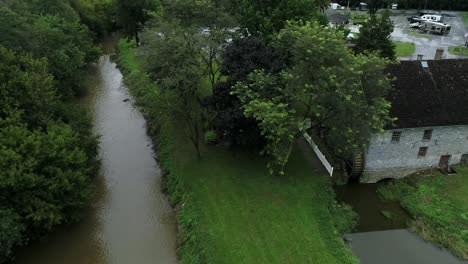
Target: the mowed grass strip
(439, 205)
(404, 49)
(458, 50)
(249, 216)
(465, 17)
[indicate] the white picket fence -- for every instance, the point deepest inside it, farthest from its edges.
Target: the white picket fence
(319, 154)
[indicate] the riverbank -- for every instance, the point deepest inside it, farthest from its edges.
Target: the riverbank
(439, 206)
(229, 209)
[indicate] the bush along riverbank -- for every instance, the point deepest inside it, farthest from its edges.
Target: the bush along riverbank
(48, 152)
(229, 209)
(439, 206)
(165, 145)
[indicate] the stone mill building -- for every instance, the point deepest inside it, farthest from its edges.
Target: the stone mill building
(430, 102)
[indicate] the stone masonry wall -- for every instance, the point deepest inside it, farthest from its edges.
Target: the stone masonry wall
(387, 159)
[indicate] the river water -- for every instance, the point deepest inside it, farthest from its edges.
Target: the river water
(130, 220)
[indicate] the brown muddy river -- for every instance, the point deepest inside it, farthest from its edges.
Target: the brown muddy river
(130, 220)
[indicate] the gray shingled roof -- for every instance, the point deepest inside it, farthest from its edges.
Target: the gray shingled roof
(433, 96)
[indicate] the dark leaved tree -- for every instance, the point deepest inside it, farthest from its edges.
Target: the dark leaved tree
(240, 58)
(375, 36)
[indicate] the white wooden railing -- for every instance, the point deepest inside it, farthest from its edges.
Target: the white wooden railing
(319, 154)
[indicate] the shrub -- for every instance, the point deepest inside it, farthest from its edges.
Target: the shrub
(10, 233)
(210, 137)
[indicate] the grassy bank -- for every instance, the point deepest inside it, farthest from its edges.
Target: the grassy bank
(439, 205)
(229, 209)
(465, 17)
(404, 49)
(458, 50)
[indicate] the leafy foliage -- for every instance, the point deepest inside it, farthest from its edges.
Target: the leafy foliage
(342, 93)
(132, 15)
(375, 36)
(174, 64)
(262, 99)
(240, 58)
(65, 43)
(23, 81)
(43, 173)
(44, 178)
(268, 17)
(47, 148)
(98, 15)
(11, 233)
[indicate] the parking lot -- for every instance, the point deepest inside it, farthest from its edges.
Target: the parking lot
(426, 44)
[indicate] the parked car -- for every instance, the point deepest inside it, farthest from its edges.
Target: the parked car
(414, 19)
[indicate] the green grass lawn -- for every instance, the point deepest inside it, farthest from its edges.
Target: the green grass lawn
(465, 16)
(404, 49)
(249, 216)
(460, 50)
(237, 213)
(439, 205)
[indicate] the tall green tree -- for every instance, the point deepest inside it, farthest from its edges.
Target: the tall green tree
(375, 36)
(65, 43)
(44, 176)
(26, 84)
(132, 15)
(342, 93)
(267, 17)
(263, 99)
(240, 58)
(172, 60)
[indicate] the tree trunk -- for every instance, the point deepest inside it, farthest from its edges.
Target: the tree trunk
(137, 37)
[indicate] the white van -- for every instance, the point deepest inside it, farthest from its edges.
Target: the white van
(335, 6)
(431, 17)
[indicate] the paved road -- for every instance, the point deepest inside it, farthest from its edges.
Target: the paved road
(428, 44)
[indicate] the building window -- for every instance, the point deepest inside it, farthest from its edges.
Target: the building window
(427, 135)
(422, 152)
(396, 136)
(464, 159)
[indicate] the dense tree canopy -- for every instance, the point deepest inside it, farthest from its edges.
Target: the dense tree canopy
(240, 58)
(132, 15)
(66, 44)
(375, 36)
(267, 17)
(98, 15)
(23, 80)
(47, 148)
(173, 62)
(44, 174)
(263, 98)
(342, 94)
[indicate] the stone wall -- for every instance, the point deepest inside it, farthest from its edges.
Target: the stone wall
(387, 159)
